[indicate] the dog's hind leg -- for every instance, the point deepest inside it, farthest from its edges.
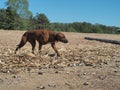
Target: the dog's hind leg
(22, 43)
(19, 46)
(33, 44)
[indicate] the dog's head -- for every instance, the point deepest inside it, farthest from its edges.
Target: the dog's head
(61, 37)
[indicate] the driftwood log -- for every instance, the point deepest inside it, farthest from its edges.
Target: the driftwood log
(103, 40)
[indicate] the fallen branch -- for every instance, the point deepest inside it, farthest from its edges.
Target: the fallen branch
(103, 40)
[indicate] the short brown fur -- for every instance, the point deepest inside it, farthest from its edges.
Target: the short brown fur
(42, 37)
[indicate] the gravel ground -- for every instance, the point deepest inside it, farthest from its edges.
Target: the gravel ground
(83, 64)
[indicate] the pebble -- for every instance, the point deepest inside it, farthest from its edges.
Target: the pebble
(56, 72)
(52, 85)
(101, 77)
(86, 83)
(72, 65)
(41, 87)
(14, 77)
(6, 71)
(115, 71)
(40, 73)
(55, 66)
(84, 73)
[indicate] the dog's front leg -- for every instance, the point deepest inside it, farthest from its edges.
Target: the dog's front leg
(40, 46)
(55, 49)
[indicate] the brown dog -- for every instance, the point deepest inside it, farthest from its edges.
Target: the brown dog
(43, 37)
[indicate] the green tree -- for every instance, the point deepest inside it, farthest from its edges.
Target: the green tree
(12, 20)
(32, 23)
(21, 7)
(3, 19)
(42, 21)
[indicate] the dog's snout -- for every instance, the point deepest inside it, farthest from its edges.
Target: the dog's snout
(65, 41)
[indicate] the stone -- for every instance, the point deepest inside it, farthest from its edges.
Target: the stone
(86, 83)
(52, 85)
(41, 87)
(40, 73)
(102, 77)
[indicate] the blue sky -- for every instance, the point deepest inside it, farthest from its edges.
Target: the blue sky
(105, 12)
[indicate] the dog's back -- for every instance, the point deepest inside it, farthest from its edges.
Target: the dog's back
(42, 36)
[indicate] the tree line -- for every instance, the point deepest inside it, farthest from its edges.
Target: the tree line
(18, 17)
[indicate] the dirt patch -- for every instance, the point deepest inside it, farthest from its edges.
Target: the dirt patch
(83, 64)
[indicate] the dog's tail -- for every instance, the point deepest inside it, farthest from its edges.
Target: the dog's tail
(22, 42)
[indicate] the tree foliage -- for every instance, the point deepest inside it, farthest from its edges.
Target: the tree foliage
(3, 19)
(21, 7)
(83, 27)
(40, 21)
(10, 20)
